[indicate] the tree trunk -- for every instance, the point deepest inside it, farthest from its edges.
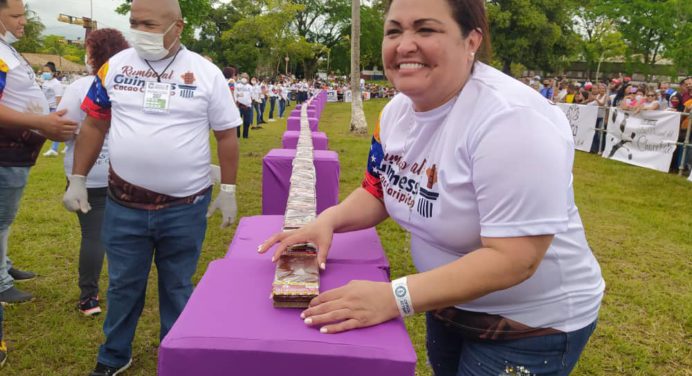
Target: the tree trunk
(358, 123)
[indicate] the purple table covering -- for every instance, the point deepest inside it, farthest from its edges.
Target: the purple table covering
(253, 231)
(277, 167)
(290, 140)
(229, 327)
(293, 123)
(311, 113)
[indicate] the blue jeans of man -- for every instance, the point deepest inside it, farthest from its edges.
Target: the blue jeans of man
(173, 238)
(246, 114)
(12, 183)
(272, 104)
(451, 354)
(282, 107)
(263, 106)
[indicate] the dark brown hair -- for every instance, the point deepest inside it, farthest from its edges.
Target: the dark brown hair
(469, 15)
(104, 44)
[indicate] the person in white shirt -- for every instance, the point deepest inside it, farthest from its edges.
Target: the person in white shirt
(257, 102)
(101, 45)
(25, 123)
(505, 274)
(157, 102)
(283, 98)
(272, 91)
(243, 95)
(53, 90)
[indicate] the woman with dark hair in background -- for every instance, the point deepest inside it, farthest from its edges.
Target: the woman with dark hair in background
(505, 274)
(101, 45)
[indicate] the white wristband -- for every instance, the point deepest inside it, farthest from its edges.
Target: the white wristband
(402, 297)
(228, 188)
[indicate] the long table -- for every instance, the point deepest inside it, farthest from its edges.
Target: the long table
(356, 247)
(229, 327)
(276, 175)
(293, 123)
(289, 140)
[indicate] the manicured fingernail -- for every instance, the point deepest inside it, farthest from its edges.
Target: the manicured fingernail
(323, 266)
(324, 329)
(259, 248)
(273, 258)
(302, 315)
(308, 321)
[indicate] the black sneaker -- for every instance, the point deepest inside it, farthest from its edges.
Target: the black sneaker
(15, 295)
(89, 306)
(21, 275)
(104, 370)
(3, 353)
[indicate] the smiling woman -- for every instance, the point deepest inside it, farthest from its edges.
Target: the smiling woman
(477, 167)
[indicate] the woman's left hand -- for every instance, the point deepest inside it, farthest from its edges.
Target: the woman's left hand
(356, 305)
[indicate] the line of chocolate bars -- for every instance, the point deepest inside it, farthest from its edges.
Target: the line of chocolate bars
(297, 277)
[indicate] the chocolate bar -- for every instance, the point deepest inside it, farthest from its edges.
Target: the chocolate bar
(297, 277)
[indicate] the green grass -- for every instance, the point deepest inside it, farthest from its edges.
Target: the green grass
(638, 222)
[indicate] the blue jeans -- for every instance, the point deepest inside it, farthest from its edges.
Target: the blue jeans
(282, 107)
(173, 238)
(272, 104)
(246, 114)
(12, 183)
(256, 106)
(263, 106)
(451, 354)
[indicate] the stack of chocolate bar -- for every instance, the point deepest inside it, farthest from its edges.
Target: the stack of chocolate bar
(297, 277)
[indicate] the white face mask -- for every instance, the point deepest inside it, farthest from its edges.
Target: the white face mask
(87, 66)
(243, 80)
(149, 46)
(9, 38)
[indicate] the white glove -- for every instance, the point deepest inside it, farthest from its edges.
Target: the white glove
(76, 197)
(225, 202)
(215, 174)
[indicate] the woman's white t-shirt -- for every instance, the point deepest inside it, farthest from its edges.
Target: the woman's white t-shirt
(72, 102)
(494, 162)
(53, 90)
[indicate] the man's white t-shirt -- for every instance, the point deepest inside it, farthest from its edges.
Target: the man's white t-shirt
(18, 88)
(53, 90)
(460, 172)
(167, 152)
(243, 94)
(71, 101)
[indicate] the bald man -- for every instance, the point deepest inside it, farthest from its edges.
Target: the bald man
(157, 102)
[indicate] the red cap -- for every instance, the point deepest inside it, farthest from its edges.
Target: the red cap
(615, 81)
(627, 79)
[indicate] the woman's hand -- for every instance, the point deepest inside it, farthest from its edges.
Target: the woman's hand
(317, 232)
(356, 305)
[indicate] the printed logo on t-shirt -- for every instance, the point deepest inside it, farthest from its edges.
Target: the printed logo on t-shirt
(402, 180)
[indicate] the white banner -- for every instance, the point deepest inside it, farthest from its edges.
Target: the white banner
(582, 119)
(348, 96)
(646, 139)
(332, 96)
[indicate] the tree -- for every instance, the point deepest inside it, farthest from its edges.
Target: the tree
(31, 41)
(647, 26)
(358, 123)
(600, 38)
(535, 33)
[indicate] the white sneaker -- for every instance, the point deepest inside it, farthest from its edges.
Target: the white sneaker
(50, 153)
(271, 120)
(64, 150)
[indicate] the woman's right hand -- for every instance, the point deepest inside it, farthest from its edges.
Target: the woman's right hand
(317, 232)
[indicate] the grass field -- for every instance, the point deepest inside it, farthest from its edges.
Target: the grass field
(639, 223)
